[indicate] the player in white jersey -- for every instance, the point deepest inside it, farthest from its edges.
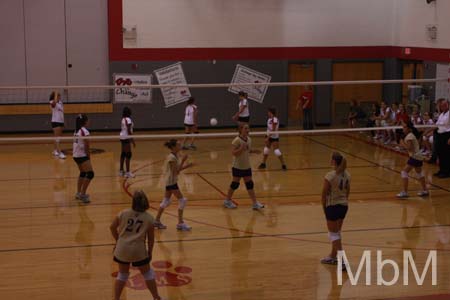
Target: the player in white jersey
(190, 123)
(82, 157)
(427, 134)
(57, 121)
(415, 161)
(335, 192)
(173, 166)
(272, 139)
(126, 139)
(383, 121)
(131, 229)
(243, 114)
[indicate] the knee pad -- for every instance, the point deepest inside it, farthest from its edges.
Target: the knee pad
(128, 155)
(182, 203)
(122, 276)
(277, 152)
(90, 175)
(234, 185)
(165, 203)
(149, 275)
(421, 174)
(404, 174)
(249, 185)
(334, 236)
(123, 155)
(266, 150)
(83, 174)
(431, 139)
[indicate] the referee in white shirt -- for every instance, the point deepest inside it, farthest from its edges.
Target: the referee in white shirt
(443, 139)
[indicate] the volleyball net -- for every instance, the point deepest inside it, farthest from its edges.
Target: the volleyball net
(357, 125)
(339, 107)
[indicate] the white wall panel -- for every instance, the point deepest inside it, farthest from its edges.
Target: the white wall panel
(87, 46)
(45, 44)
(12, 50)
(412, 17)
(259, 23)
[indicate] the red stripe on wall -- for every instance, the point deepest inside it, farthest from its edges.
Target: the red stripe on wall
(115, 29)
(435, 54)
(250, 53)
(118, 53)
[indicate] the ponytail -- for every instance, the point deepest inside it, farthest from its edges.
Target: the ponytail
(190, 101)
(341, 162)
(171, 143)
(53, 96)
(80, 121)
(413, 129)
(126, 112)
(416, 132)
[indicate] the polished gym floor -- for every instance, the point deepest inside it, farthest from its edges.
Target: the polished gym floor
(53, 247)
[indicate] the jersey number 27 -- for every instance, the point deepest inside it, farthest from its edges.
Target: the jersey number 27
(131, 224)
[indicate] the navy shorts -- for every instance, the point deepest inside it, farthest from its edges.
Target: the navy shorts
(271, 140)
(135, 263)
(336, 212)
(241, 173)
(414, 162)
(188, 125)
(244, 119)
(125, 142)
(80, 160)
(172, 187)
(57, 124)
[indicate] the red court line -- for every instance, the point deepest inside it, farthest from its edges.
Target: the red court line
(375, 163)
(427, 297)
(370, 142)
(211, 184)
(125, 184)
(126, 187)
(147, 165)
(396, 152)
(216, 188)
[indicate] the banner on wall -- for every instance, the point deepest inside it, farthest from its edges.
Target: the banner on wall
(243, 74)
(173, 74)
(127, 94)
(442, 87)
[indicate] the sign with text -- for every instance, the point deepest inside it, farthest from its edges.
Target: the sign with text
(128, 90)
(173, 74)
(243, 74)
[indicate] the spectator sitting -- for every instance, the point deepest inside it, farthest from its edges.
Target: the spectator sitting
(373, 116)
(427, 135)
(385, 119)
(392, 121)
(356, 114)
(416, 119)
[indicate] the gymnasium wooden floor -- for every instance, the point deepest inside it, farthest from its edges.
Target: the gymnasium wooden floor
(52, 247)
